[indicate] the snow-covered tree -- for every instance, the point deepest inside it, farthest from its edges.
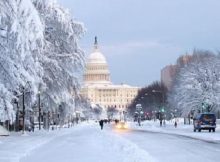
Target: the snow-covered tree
(63, 60)
(152, 98)
(197, 84)
(21, 35)
(39, 46)
(84, 106)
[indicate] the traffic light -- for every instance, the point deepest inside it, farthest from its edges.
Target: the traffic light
(162, 110)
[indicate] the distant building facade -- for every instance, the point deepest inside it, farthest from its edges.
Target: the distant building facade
(168, 73)
(98, 88)
(185, 59)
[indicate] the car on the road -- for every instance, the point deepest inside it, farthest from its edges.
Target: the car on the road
(204, 121)
(121, 125)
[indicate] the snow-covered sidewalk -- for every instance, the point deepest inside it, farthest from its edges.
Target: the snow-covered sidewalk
(183, 130)
(82, 143)
(3, 131)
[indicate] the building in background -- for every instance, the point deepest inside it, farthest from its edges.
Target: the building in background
(168, 73)
(185, 59)
(98, 88)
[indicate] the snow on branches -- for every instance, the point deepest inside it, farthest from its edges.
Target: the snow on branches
(197, 84)
(63, 59)
(39, 45)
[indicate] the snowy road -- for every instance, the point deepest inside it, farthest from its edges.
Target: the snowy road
(87, 143)
(174, 148)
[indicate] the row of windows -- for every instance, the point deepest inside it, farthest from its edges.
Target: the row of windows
(110, 100)
(97, 68)
(113, 95)
(117, 106)
(113, 90)
(97, 77)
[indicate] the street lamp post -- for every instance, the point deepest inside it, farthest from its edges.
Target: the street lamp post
(39, 109)
(175, 114)
(23, 110)
(139, 112)
(162, 110)
(17, 115)
(23, 89)
(15, 101)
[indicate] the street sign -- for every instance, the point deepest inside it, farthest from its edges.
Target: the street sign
(138, 107)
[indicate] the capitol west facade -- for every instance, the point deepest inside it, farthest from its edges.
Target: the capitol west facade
(98, 88)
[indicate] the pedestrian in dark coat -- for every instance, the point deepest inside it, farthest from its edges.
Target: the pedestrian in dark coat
(175, 124)
(101, 123)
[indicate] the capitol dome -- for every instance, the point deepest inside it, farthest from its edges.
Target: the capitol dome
(97, 71)
(96, 57)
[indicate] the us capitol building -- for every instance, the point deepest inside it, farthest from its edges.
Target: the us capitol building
(98, 88)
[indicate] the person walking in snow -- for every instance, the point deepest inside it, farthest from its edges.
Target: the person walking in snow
(101, 123)
(161, 123)
(175, 124)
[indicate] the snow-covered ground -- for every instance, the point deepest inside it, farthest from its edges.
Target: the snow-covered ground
(3, 131)
(184, 130)
(169, 144)
(82, 143)
(87, 143)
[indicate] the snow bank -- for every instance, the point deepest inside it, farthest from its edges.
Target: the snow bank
(3, 131)
(183, 130)
(20, 145)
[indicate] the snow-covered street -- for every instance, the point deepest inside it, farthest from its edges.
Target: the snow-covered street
(82, 143)
(87, 143)
(172, 148)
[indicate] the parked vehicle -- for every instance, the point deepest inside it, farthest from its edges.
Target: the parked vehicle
(206, 121)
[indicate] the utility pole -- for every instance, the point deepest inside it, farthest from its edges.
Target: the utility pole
(162, 110)
(23, 116)
(139, 112)
(17, 116)
(39, 110)
(23, 89)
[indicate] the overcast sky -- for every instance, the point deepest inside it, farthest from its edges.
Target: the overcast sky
(140, 37)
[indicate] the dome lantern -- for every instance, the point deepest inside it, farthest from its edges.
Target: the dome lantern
(96, 43)
(96, 56)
